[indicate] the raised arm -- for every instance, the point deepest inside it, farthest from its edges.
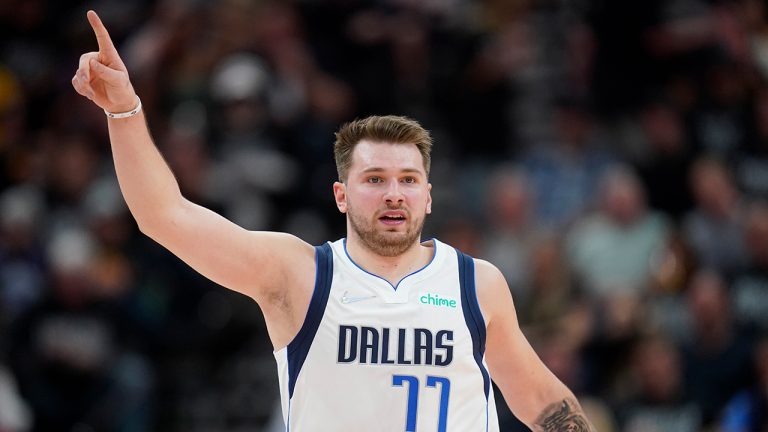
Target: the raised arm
(275, 269)
(533, 393)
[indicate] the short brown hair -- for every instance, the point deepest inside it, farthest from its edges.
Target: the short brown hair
(391, 129)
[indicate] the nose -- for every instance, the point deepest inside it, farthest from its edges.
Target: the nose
(393, 193)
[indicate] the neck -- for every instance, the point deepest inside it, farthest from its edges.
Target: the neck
(391, 268)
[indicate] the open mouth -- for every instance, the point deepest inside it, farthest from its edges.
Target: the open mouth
(392, 218)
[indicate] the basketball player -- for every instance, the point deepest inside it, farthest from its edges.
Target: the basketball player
(376, 332)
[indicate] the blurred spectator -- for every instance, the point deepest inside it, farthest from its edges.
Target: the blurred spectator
(715, 227)
(611, 251)
(71, 353)
(512, 232)
(565, 174)
(717, 355)
(106, 214)
(561, 355)
(239, 85)
(22, 260)
(659, 402)
(550, 293)
(555, 310)
(71, 163)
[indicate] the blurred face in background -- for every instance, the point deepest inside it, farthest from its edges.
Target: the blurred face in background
(511, 200)
(709, 305)
(712, 187)
(73, 166)
(663, 129)
(623, 197)
(386, 196)
(574, 126)
(657, 370)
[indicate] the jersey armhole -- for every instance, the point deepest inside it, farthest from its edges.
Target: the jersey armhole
(298, 348)
(472, 314)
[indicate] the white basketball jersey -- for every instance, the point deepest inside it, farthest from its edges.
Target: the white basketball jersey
(375, 357)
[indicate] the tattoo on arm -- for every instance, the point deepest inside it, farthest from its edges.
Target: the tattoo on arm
(563, 416)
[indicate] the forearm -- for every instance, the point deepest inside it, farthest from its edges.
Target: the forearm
(532, 392)
(563, 416)
(147, 183)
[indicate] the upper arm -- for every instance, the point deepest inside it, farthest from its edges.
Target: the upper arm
(255, 263)
(526, 383)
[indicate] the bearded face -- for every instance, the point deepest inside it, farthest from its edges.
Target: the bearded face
(386, 197)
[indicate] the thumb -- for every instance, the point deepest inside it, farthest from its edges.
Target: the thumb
(107, 74)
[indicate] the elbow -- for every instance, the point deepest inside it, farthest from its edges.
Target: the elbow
(160, 220)
(155, 224)
(146, 228)
(150, 228)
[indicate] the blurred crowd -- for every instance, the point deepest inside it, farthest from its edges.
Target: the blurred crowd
(610, 157)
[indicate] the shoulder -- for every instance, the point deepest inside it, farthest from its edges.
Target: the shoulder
(288, 261)
(492, 289)
(487, 274)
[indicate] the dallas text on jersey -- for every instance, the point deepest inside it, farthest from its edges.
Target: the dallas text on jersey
(368, 345)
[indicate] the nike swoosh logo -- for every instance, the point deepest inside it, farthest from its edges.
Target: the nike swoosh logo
(346, 299)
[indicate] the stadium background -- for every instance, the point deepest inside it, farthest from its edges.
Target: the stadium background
(611, 157)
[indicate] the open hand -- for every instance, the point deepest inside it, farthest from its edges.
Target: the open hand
(101, 76)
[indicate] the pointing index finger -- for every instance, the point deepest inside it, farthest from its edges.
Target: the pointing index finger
(102, 36)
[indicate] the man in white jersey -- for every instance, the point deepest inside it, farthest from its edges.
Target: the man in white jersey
(377, 332)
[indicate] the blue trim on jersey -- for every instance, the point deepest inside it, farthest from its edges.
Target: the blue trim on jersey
(434, 242)
(299, 346)
(472, 314)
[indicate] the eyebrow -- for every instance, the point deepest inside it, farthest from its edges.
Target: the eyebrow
(378, 169)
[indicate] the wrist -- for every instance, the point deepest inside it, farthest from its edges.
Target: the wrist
(122, 112)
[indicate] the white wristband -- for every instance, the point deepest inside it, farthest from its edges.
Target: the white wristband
(126, 114)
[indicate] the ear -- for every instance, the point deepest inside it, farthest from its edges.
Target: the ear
(429, 198)
(340, 195)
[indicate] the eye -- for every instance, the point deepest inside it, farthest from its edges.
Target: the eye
(374, 180)
(409, 180)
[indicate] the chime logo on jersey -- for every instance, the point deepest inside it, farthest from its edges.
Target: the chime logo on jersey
(436, 300)
(419, 346)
